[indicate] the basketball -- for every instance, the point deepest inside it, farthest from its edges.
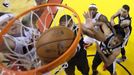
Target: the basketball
(53, 43)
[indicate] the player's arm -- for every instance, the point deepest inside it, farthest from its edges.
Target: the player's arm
(125, 24)
(6, 17)
(110, 59)
(92, 30)
(3, 46)
(105, 20)
(94, 33)
(127, 34)
(89, 32)
(113, 17)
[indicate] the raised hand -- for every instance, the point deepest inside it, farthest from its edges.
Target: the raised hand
(88, 17)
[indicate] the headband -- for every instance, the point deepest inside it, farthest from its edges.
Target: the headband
(94, 6)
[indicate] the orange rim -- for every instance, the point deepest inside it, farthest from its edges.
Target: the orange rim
(56, 62)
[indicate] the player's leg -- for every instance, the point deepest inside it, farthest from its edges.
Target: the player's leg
(123, 52)
(96, 61)
(82, 62)
(70, 70)
(111, 68)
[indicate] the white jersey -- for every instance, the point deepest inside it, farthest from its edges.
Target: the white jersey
(89, 40)
(5, 18)
(24, 45)
(94, 20)
(24, 40)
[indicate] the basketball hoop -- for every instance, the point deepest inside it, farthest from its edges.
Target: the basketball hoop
(51, 12)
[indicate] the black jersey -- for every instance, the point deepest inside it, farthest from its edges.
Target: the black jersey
(105, 46)
(81, 42)
(128, 28)
(122, 19)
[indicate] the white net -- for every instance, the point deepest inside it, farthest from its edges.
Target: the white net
(21, 55)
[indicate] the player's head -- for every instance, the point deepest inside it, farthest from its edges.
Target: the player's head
(116, 41)
(15, 28)
(92, 9)
(66, 20)
(118, 38)
(125, 10)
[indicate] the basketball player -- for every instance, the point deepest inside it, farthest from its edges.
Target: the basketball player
(79, 59)
(4, 17)
(18, 42)
(111, 41)
(125, 24)
(96, 16)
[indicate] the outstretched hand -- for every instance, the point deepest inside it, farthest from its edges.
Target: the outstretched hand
(88, 18)
(87, 15)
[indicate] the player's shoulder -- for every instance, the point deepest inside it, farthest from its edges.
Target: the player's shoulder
(103, 18)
